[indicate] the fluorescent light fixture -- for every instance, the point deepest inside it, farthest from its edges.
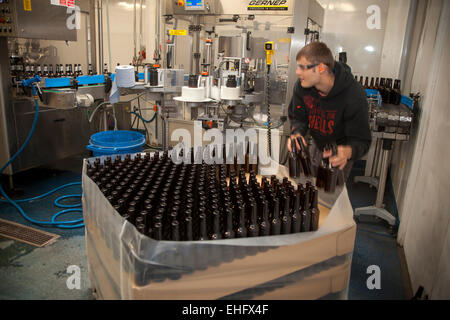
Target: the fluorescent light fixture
(130, 6)
(344, 6)
(369, 49)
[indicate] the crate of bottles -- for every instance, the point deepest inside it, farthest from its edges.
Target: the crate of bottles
(157, 230)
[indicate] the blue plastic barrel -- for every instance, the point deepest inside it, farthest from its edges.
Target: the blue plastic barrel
(116, 142)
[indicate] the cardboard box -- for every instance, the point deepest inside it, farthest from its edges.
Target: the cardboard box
(316, 286)
(123, 264)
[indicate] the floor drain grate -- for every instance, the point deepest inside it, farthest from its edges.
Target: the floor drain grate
(26, 234)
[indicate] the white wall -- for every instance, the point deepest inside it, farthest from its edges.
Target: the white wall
(403, 152)
(345, 29)
(419, 169)
(426, 204)
(394, 38)
(418, 27)
(121, 14)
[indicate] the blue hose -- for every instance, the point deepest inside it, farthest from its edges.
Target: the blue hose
(67, 205)
(53, 223)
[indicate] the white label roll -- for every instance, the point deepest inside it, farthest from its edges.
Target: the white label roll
(193, 94)
(230, 93)
(125, 76)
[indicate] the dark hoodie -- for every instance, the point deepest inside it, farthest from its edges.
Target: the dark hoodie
(341, 116)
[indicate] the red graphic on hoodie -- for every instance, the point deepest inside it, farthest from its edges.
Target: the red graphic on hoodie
(319, 119)
(309, 102)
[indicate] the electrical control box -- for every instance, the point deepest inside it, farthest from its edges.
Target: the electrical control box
(37, 20)
(190, 7)
(8, 26)
(194, 5)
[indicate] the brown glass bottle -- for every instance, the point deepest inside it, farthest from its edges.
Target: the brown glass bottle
(275, 225)
(315, 212)
(322, 173)
(294, 167)
(242, 180)
(305, 213)
(50, 71)
(141, 228)
(174, 213)
(157, 231)
(377, 83)
(331, 173)
(139, 220)
(253, 228)
(159, 216)
(144, 214)
(70, 72)
(241, 231)
(273, 179)
(264, 226)
(264, 183)
(216, 234)
(131, 215)
(397, 92)
(296, 217)
(228, 232)
(175, 231)
(286, 217)
(340, 179)
(305, 159)
(382, 90)
(366, 83)
(203, 233)
(389, 91)
(188, 234)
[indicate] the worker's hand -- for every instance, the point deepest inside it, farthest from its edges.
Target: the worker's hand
(294, 137)
(344, 153)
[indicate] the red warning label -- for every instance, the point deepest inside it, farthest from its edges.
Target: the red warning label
(64, 3)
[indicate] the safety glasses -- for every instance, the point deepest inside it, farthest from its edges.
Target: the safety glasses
(308, 67)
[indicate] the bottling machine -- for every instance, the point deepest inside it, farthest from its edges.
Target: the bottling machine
(238, 73)
(38, 39)
(240, 69)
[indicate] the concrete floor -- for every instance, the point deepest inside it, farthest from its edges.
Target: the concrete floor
(27, 272)
(374, 245)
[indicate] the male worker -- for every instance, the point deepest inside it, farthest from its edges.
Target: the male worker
(329, 102)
